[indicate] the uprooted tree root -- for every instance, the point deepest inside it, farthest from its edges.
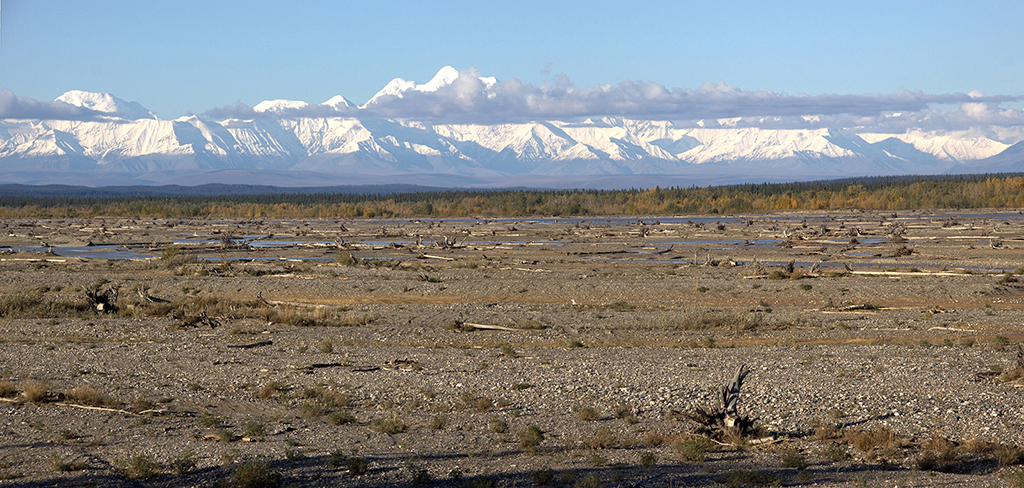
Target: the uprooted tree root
(724, 422)
(1016, 371)
(1011, 374)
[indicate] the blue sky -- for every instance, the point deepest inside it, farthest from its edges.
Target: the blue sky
(184, 56)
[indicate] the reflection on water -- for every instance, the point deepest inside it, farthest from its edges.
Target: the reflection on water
(109, 251)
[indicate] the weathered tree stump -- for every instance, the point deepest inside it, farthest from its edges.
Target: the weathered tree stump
(724, 421)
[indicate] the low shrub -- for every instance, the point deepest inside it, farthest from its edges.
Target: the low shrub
(254, 473)
(835, 453)
(356, 466)
(141, 467)
(255, 429)
(793, 458)
(497, 425)
(184, 463)
(209, 420)
(654, 439)
(530, 437)
(648, 460)
(693, 449)
(7, 389)
(336, 460)
(602, 439)
(543, 477)
(585, 413)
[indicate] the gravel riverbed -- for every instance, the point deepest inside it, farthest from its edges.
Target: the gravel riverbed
(344, 366)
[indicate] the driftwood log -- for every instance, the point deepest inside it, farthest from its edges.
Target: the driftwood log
(724, 422)
(144, 294)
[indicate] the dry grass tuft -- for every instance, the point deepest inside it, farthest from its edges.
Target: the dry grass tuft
(585, 413)
(341, 417)
(272, 389)
(7, 389)
(141, 467)
(35, 391)
(870, 440)
(469, 400)
(655, 439)
(35, 304)
(1005, 454)
(90, 395)
(389, 426)
(254, 473)
(940, 454)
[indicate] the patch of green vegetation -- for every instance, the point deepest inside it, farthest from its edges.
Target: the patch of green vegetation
(543, 477)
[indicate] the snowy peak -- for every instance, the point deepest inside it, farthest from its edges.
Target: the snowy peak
(279, 106)
(339, 102)
(336, 106)
(444, 77)
(106, 103)
(958, 146)
(397, 87)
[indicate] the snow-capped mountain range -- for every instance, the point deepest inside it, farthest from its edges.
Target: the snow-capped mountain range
(130, 142)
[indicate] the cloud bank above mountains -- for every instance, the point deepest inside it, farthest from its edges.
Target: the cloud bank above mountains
(466, 97)
(15, 107)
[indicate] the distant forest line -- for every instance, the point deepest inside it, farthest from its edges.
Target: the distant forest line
(881, 194)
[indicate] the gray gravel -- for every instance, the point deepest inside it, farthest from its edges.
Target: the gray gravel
(629, 338)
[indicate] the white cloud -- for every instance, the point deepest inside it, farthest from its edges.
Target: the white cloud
(470, 99)
(240, 110)
(15, 107)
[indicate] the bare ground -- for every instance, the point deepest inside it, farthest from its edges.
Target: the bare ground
(390, 353)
